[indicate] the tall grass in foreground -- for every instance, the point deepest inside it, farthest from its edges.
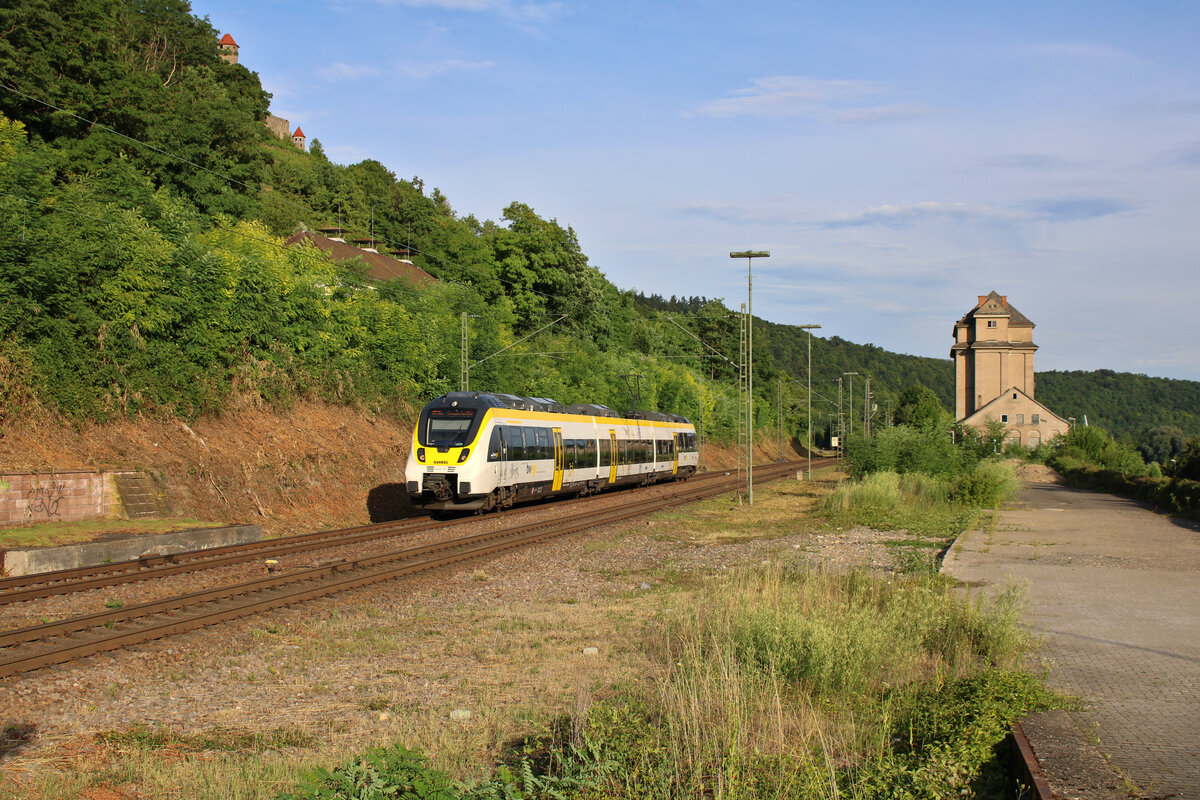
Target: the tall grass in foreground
(782, 683)
(773, 683)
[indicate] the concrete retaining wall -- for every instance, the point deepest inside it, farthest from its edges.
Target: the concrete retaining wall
(48, 559)
(57, 497)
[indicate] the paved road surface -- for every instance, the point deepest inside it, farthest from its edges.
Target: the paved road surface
(1114, 590)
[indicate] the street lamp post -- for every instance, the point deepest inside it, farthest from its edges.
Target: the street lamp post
(750, 255)
(810, 329)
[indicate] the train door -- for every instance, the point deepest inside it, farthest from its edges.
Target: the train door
(613, 456)
(675, 453)
(559, 460)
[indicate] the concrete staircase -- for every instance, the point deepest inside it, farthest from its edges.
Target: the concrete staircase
(138, 496)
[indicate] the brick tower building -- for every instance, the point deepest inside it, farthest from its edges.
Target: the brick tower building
(993, 373)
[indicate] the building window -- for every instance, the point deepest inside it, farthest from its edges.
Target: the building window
(1014, 395)
(1020, 419)
(1004, 417)
(991, 323)
(1033, 418)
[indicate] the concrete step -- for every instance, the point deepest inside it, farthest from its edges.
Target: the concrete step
(138, 496)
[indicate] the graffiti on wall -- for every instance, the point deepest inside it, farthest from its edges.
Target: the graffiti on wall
(43, 500)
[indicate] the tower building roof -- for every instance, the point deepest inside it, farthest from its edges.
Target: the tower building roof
(996, 305)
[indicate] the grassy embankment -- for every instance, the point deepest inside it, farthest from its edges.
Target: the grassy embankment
(772, 680)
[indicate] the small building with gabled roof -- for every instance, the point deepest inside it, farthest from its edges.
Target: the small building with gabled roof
(993, 373)
(1026, 421)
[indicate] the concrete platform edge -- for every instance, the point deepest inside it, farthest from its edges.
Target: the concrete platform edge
(90, 554)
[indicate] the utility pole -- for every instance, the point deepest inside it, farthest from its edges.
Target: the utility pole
(850, 413)
(750, 255)
(782, 454)
(464, 375)
(810, 329)
(841, 423)
(464, 378)
(867, 408)
(741, 415)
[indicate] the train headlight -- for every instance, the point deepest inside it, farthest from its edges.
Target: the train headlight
(421, 454)
(466, 451)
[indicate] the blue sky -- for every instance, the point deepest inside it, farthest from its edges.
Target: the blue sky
(897, 159)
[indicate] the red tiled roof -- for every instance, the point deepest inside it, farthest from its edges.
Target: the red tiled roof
(379, 267)
(227, 39)
(298, 132)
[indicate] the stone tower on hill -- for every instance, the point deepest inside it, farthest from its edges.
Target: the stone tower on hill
(993, 373)
(228, 49)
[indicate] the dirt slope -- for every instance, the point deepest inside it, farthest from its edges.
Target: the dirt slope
(309, 467)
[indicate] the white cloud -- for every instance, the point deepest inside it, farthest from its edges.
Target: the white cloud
(338, 72)
(515, 11)
(907, 214)
(413, 70)
(1084, 51)
(346, 151)
(836, 101)
(431, 69)
(1052, 209)
(887, 113)
(787, 96)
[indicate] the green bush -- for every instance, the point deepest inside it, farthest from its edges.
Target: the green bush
(987, 485)
(379, 774)
(902, 448)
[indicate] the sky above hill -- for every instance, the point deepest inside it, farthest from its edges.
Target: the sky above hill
(896, 159)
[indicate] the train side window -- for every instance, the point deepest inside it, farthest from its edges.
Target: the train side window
(516, 442)
(590, 451)
(605, 453)
(544, 448)
(494, 445)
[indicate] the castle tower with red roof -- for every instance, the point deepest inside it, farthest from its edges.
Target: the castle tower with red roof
(298, 138)
(228, 49)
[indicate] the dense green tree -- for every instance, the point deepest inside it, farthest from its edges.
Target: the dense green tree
(1162, 443)
(918, 405)
(1188, 463)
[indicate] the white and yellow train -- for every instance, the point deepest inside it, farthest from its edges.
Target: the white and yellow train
(481, 450)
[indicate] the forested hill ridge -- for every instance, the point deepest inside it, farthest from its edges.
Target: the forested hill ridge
(144, 207)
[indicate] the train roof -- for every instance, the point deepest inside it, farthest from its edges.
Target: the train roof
(500, 400)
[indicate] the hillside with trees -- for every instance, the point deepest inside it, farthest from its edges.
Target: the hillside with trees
(143, 211)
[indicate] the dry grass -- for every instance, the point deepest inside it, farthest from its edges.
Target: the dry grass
(780, 509)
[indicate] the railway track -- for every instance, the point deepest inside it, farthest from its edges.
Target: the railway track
(21, 588)
(35, 647)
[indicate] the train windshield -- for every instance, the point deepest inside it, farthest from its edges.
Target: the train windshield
(449, 427)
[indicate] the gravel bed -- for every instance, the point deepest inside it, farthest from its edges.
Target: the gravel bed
(427, 642)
